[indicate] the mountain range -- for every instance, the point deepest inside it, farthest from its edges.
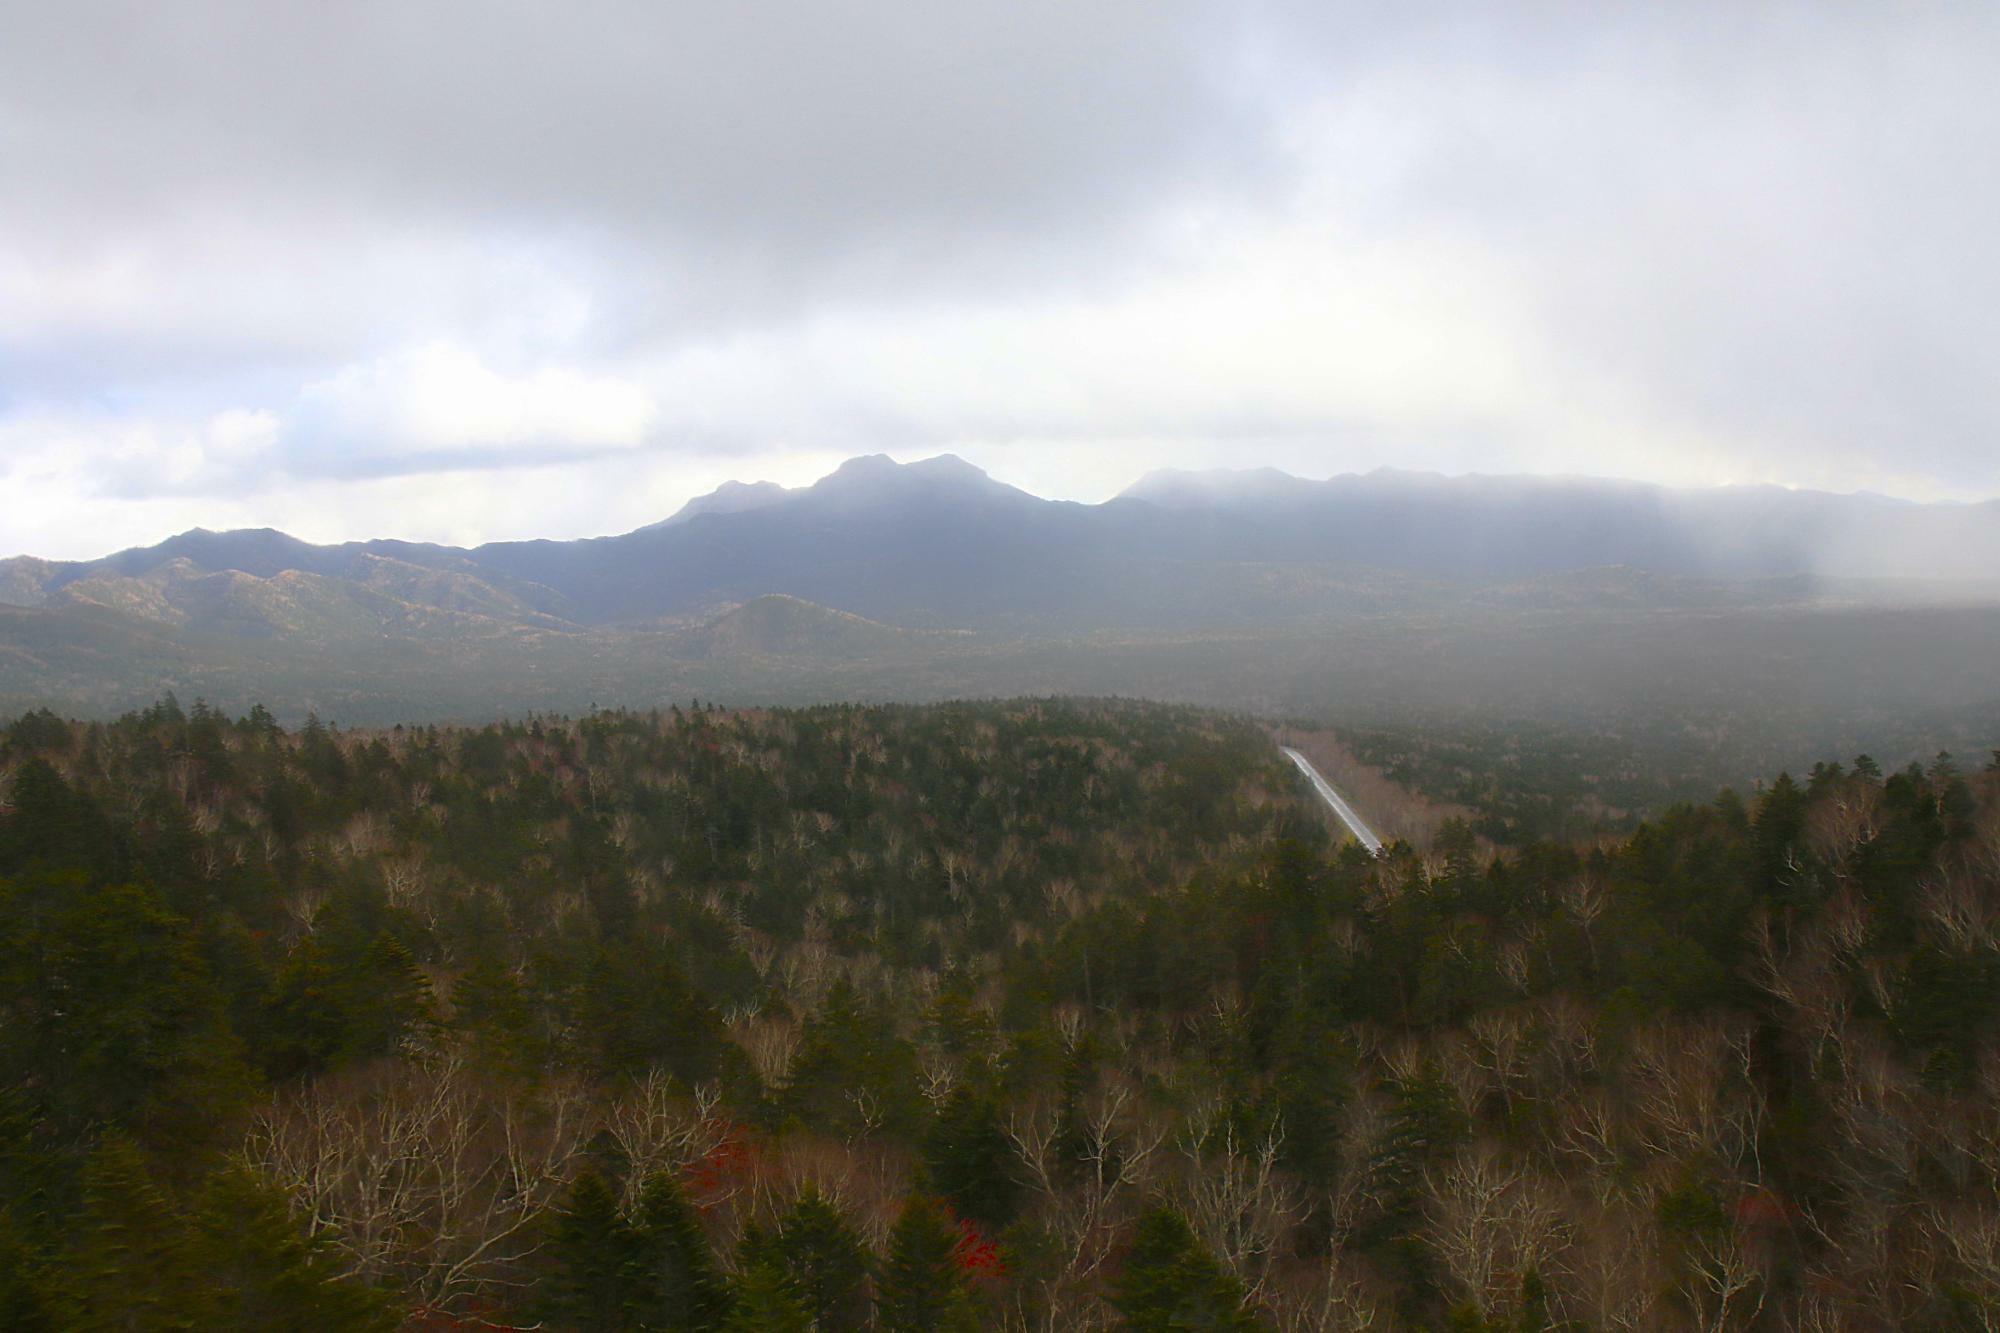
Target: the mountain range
(1388, 593)
(939, 544)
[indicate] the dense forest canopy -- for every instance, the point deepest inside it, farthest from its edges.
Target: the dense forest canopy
(1018, 1015)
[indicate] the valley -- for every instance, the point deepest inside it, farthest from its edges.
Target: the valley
(932, 581)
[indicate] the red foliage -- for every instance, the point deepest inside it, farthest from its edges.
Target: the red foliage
(716, 1176)
(1763, 1208)
(975, 1255)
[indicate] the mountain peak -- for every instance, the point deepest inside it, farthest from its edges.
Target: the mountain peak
(862, 465)
(872, 477)
(731, 497)
(949, 465)
(942, 466)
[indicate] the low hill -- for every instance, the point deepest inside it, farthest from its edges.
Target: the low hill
(776, 625)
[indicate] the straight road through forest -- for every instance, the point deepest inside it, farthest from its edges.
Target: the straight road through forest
(1334, 799)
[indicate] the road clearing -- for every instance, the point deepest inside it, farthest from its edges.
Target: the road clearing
(1362, 833)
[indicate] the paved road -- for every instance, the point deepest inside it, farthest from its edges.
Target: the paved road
(1333, 798)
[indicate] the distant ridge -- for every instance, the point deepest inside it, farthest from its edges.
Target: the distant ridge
(940, 544)
(731, 497)
(776, 625)
(1178, 489)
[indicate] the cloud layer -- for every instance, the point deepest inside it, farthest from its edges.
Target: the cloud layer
(461, 270)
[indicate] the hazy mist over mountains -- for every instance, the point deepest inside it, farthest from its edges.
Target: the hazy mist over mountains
(481, 272)
(939, 544)
(1752, 627)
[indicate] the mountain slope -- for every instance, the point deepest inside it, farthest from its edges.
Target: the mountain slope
(731, 497)
(381, 597)
(777, 625)
(940, 544)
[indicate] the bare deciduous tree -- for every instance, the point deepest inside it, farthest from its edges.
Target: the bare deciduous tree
(1235, 1196)
(423, 1177)
(1084, 1197)
(1490, 1223)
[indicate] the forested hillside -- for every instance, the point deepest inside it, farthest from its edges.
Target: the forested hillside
(1032, 1015)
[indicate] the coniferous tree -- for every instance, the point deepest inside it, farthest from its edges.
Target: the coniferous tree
(133, 1261)
(825, 1261)
(683, 1290)
(1170, 1283)
(922, 1288)
(267, 1273)
(767, 1303)
(970, 1158)
(491, 1005)
(638, 1011)
(108, 1015)
(349, 991)
(848, 1047)
(598, 1281)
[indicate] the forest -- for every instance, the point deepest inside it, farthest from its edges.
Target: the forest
(1027, 1015)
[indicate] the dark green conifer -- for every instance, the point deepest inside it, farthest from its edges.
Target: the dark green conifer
(597, 1285)
(971, 1160)
(1170, 1283)
(108, 1016)
(767, 1303)
(132, 1261)
(825, 1261)
(343, 995)
(684, 1291)
(922, 1288)
(849, 1047)
(268, 1274)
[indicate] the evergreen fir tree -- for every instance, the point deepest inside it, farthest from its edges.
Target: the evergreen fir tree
(490, 1003)
(109, 1016)
(971, 1160)
(133, 1262)
(1170, 1283)
(767, 1303)
(683, 1290)
(922, 1289)
(598, 1282)
(850, 1046)
(268, 1274)
(825, 1261)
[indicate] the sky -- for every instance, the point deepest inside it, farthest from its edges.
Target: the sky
(469, 271)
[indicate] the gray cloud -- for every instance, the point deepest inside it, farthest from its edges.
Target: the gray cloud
(1688, 242)
(790, 146)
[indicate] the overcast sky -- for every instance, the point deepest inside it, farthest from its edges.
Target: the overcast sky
(497, 269)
